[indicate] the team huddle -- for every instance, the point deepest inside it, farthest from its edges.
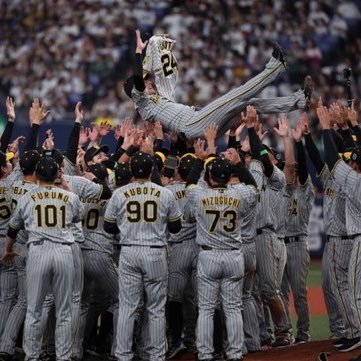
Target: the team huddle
(179, 247)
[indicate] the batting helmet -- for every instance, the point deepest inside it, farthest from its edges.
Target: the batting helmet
(47, 169)
(141, 165)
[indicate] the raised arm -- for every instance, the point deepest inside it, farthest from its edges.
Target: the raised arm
(73, 141)
(283, 132)
(10, 113)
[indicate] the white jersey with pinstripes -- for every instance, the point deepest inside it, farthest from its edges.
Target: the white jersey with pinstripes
(188, 231)
(5, 205)
(160, 61)
(350, 181)
(270, 190)
(334, 204)
(17, 191)
(95, 237)
(47, 213)
(219, 213)
(142, 211)
(301, 198)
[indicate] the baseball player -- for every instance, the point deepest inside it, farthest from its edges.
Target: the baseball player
(183, 253)
(334, 217)
(97, 250)
(16, 317)
(301, 198)
(152, 210)
(219, 211)
(47, 213)
(8, 284)
(185, 119)
(160, 62)
(348, 178)
(271, 183)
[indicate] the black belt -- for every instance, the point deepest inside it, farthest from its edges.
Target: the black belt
(292, 239)
(207, 248)
(259, 230)
(39, 243)
(340, 237)
(140, 245)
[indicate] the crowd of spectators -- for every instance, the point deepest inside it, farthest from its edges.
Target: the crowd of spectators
(63, 51)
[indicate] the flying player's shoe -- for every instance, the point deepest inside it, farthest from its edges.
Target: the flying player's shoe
(279, 54)
(308, 90)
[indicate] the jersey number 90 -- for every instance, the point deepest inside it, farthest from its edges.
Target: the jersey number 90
(147, 211)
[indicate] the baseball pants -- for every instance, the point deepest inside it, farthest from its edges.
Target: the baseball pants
(271, 259)
(295, 280)
(17, 314)
(142, 268)
(336, 322)
(49, 269)
(250, 327)
(220, 273)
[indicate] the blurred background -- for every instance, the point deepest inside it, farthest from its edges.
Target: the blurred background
(63, 51)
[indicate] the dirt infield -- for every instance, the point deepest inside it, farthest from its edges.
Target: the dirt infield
(304, 352)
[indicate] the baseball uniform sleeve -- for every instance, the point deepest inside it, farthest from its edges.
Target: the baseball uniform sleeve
(17, 219)
(85, 188)
(189, 209)
(346, 177)
(257, 172)
(77, 209)
(249, 196)
(174, 212)
(277, 181)
(112, 211)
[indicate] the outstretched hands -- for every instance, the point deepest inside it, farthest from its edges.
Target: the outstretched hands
(37, 112)
(10, 109)
(140, 43)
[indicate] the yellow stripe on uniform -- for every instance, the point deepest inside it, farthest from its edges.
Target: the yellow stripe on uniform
(238, 95)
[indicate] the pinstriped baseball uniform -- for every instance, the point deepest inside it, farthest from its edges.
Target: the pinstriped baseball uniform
(100, 273)
(183, 118)
(160, 61)
(269, 249)
(249, 307)
(350, 181)
(47, 212)
(334, 218)
(298, 259)
(142, 211)
(18, 312)
(183, 251)
(219, 213)
(8, 283)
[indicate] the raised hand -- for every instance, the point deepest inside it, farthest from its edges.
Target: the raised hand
(158, 130)
(121, 129)
(104, 128)
(83, 136)
(13, 147)
(352, 114)
(211, 132)
(49, 141)
(140, 43)
(260, 133)
(297, 133)
(37, 112)
(79, 114)
(245, 146)
(10, 109)
(199, 149)
(324, 117)
(251, 117)
(283, 126)
(232, 155)
(147, 146)
(94, 134)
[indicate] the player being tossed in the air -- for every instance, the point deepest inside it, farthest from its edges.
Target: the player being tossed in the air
(159, 105)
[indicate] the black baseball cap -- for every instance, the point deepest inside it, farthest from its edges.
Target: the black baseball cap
(4, 157)
(29, 161)
(99, 170)
(93, 151)
(220, 169)
(186, 164)
(56, 154)
(122, 174)
(47, 169)
(141, 165)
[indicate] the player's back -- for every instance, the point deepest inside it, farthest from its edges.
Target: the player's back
(47, 213)
(94, 235)
(143, 210)
(188, 231)
(219, 213)
(5, 205)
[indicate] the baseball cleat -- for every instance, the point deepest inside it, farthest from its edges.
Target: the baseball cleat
(176, 349)
(350, 344)
(279, 54)
(308, 89)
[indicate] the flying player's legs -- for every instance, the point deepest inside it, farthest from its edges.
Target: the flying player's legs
(336, 322)
(250, 327)
(222, 110)
(295, 278)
